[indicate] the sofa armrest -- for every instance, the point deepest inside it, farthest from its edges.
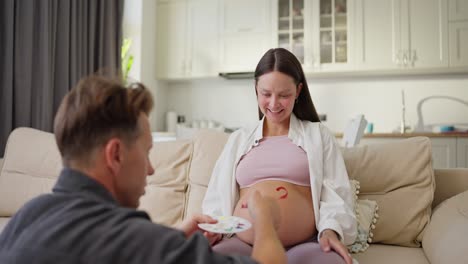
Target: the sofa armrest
(449, 182)
(444, 240)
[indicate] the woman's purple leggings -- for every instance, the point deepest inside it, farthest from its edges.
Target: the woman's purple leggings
(307, 252)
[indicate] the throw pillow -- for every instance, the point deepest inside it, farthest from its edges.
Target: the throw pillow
(366, 216)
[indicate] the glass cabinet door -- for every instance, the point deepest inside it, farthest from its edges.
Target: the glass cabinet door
(291, 26)
(333, 31)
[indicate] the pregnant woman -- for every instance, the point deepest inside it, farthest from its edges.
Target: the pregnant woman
(291, 158)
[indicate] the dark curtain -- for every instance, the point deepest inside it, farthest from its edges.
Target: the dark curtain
(46, 47)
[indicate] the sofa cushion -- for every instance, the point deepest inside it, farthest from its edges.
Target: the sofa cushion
(445, 237)
(449, 182)
(386, 254)
(400, 178)
(208, 145)
(165, 195)
(31, 166)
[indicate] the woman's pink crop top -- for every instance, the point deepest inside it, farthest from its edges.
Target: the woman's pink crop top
(274, 158)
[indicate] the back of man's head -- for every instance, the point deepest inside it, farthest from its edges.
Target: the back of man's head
(94, 111)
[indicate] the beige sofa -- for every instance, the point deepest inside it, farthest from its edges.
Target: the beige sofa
(423, 213)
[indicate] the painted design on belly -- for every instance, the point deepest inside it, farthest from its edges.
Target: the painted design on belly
(285, 192)
(281, 188)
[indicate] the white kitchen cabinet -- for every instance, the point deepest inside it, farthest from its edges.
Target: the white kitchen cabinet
(332, 34)
(318, 32)
(444, 152)
(458, 33)
(375, 32)
(171, 39)
(204, 38)
(245, 33)
(187, 39)
(462, 152)
(458, 10)
(291, 28)
(458, 39)
(401, 34)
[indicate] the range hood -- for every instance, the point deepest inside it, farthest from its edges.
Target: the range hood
(237, 75)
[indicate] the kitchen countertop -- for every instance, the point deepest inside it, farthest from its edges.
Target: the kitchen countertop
(407, 135)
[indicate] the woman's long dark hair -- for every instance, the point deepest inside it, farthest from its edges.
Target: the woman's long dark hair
(283, 61)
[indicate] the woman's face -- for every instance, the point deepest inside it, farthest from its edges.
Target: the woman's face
(276, 95)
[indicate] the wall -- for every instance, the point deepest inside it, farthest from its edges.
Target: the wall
(138, 21)
(233, 102)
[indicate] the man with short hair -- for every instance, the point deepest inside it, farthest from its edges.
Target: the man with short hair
(103, 134)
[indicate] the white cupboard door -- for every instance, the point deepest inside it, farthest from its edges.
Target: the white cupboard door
(428, 34)
(444, 152)
(241, 53)
(245, 34)
(458, 10)
(242, 16)
(162, 34)
(458, 38)
(202, 59)
(176, 41)
(375, 32)
(172, 38)
(462, 152)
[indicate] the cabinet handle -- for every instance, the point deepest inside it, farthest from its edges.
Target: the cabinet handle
(398, 57)
(414, 57)
(405, 58)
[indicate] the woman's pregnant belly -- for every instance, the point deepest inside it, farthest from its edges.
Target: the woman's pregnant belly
(296, 210)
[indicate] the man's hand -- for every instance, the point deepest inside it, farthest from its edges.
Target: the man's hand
(264, 206)
(329, 241)
(190, 225)
(267, 247)
(213, 238)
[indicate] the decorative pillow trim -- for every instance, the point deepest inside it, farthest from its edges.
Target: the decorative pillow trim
(366, 216)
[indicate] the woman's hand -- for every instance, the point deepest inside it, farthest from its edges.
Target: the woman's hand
(329, 240)
(190, 225)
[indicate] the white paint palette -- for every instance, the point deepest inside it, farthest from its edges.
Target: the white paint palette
(227, 225)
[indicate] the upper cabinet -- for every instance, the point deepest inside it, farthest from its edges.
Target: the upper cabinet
(187, 39)
(401, 34)
(458, 10)
(331, 34)
(200, 38)
(246, 33)
(316, 31)
(458, 33)
(423, 38)
(375, 33)
(290, 26)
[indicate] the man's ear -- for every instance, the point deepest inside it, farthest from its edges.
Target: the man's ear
(113, 154)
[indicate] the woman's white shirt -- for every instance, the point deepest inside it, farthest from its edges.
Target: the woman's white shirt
(329, 183)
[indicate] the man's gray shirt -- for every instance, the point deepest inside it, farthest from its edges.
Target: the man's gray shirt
(80, 222)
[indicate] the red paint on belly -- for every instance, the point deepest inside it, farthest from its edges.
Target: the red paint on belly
(284, 189)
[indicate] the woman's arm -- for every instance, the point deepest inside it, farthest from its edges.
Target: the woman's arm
(336, 208)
